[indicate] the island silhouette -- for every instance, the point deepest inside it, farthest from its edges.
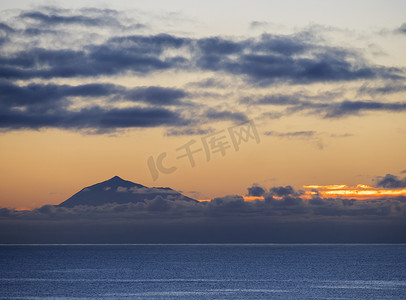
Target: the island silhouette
(120, 191)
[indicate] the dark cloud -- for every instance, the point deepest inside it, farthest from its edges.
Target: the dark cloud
(138, 54)
(188, 131)
(268, 59)
(280, 100)
(273, 115)
(284, 45)
(317, 201)
(258, 24)
(345, 108)
(297, 98)
(326, 104)
(153, 44)
(46, 105)
(279, 201)
(218, 46)
(390, 181)
(282, 217)
(295, 58)
(226, 205)
(343, 135)
(286, 197)
(52, 24)
(52, 19)
(6, 28)
(355, 107)
(94, 117)
(32, 96)
(348, 202)
(210, 83)
(286, 202)
(281, 191)
(256, 191)
(237, 117)
(291, 134)
(41, 94)
(385, 89)
(32, 32)
(157, 95)
(286, 218)
(85, 17)
(402, 28)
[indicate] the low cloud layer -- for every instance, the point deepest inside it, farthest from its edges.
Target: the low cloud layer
(391, 181)
(282, 216)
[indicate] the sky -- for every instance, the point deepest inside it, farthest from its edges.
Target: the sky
(210, 98)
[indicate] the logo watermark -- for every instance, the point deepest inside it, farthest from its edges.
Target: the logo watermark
(217, 143)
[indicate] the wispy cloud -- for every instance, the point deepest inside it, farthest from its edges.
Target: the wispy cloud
(291, 134)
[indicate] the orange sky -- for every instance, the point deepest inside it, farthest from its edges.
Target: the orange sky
(48, 167)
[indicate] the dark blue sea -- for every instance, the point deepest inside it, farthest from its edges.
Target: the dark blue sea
(203, 272)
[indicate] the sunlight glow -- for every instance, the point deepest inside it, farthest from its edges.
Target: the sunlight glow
(361, 191)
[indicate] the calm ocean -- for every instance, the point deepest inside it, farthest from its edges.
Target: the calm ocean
(203, 272)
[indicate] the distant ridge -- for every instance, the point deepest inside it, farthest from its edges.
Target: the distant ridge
(117, 190)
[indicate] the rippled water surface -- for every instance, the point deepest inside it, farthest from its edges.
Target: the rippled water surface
(203, 272)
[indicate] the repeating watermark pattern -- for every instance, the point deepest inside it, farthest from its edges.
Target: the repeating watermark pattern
(217, 143)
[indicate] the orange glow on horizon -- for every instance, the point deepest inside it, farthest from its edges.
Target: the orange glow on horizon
(22, 208)
(361, 191)
(252, 198)
(327, 187)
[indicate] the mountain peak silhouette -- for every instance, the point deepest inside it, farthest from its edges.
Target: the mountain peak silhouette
(118, 190)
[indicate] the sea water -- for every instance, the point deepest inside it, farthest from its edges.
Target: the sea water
(203, 271)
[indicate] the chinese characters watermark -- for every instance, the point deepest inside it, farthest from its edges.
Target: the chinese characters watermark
(217, 143)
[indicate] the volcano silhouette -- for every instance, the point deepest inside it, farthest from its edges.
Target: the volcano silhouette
(117, 190)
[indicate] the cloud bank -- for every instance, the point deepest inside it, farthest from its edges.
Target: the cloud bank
(45, 46)
(391, 181)
(282, 216)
